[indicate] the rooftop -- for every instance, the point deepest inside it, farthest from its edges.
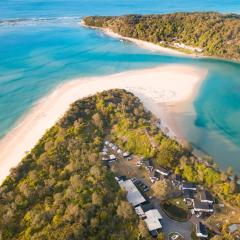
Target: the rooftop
(156, 174)
(176, 177)
(145, 207)
(189, 185)
(133, 194)
(148, 163)
(200, 228)
(142, 208)
(205, 196)
(152, 224)
(188, 194)
(163, 171)
(234, 227)
(153, 213)
(202, 205)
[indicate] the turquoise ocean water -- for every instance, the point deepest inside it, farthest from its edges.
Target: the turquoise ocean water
(43, 45)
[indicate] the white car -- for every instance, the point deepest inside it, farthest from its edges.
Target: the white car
(105, 150)
(139, 163)
(153, 179)
(112, 157)
(114, 148)
(126, 154)
(119, 151)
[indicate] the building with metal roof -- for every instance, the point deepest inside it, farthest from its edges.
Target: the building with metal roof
(202, 206)
(205, 196)
(133, 195)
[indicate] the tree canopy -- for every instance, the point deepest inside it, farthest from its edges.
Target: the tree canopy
(62, 190)
(216, 34)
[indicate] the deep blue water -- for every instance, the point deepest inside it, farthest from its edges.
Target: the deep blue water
(60, 8)
(48, 47)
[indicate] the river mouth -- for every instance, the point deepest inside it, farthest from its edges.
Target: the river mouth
(37, 63)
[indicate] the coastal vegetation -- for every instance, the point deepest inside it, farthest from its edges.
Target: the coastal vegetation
(210, 33)
(62, 190)
(176, 208)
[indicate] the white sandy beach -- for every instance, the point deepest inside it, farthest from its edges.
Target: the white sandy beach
(169, 84)
(143, 44)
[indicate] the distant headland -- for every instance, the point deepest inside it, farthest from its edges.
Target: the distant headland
(202, 34)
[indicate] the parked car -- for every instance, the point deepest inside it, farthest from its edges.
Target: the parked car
(105, 149)
(139, 163)
(123, 178)
(114, 148)
(153, 179)
(141, 184)
(145, 189)
(119, 151)
(134, 179)
(137, 182)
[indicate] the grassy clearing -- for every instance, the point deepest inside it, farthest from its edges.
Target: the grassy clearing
(176, 209)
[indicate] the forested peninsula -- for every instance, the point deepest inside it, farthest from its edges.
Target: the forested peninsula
(208, 34)
(63, 190)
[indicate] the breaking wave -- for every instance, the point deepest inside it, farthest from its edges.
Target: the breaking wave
(40, 21)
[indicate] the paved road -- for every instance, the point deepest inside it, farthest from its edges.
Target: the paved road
(169, 225)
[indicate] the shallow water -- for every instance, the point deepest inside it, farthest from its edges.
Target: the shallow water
(46, 46)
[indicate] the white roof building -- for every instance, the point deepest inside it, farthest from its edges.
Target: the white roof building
(153, 224)
(233, 228)
(153, 213)
(152, 220)
(133, 195)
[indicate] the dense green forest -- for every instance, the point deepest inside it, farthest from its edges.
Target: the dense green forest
(214, 33)
(61, 189)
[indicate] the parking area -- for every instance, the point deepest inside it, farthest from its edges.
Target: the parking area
(175, 236)
(130, 168)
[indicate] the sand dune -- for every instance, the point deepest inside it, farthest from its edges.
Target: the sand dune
(168, 84)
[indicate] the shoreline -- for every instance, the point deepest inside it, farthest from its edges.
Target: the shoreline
(154, 47)
(167, 84)
(143, 44)
(171, 110)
